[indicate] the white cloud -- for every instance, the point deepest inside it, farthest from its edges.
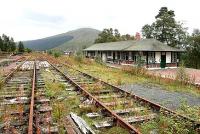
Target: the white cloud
(32, 19)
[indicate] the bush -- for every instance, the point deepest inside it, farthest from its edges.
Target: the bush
(57, 54)
(135, 70)
(181, 74)
(50, 52)
(98, 59)
(140, 61)
(28, 50)
(78, 57)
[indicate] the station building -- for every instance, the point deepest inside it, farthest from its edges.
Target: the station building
(150, 53)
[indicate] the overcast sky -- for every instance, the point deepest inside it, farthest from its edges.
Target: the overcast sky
(33, 19)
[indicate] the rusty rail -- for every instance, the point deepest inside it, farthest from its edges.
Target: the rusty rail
(153, 105)
(30, 123)
(12, 72)
(119, 121)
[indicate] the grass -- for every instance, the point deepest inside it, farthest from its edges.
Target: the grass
(162, 124)
(70, 103)
(127, 76)
(116, 130)
(192, 112)
(167, 125)
(61, 107)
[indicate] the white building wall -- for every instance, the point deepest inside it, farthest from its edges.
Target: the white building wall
(168, 57)
(88, 54)
(104, 59)
(157, 57)
(129, 55)
(110, 57)
(96, 53)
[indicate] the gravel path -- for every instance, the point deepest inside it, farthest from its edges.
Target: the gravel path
(171, 100)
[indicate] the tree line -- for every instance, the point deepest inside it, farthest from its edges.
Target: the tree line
(7, 44)
(110, 35)
(192, 56)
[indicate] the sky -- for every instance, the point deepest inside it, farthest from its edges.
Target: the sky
(34, 19)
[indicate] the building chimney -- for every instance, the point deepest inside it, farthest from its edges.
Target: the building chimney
(137, 36)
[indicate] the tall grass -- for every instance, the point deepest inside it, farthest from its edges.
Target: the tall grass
(181, 75)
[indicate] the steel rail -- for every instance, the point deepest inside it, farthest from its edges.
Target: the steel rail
(30, 123)
(12, 72)
(153, 105)
(156, 106)
(119, 121)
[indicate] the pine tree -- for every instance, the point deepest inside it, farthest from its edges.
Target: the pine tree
(166, 29)
(20, 47)
(12, 45)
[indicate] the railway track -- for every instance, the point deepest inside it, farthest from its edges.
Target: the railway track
(23, 106)
(26, 108)
(123, 108)
(14, 100)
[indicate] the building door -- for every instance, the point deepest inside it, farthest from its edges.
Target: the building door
(118, 55)
(113, 56)
(126, 55)
(163, 60)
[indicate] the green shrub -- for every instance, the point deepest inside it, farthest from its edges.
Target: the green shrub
(181, 74)
(79, 57)
(57, 54)
(98, 59)
(50, 52)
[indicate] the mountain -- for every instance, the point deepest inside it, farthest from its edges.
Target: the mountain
(72, 40)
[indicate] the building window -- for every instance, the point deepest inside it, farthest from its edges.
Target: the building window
(125, 55)
(134, 56)
(151, 57)
(118, 55)
(92, 53)
(174, 57)
(109, 53)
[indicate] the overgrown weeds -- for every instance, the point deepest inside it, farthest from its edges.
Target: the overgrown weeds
(192, 112)
(98, 59)
(139, 71)
(1, 84)
(167, 125)
(78, 57)
(116, 130)
(181, 75)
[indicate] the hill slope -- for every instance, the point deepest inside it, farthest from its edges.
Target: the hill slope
(72, 40)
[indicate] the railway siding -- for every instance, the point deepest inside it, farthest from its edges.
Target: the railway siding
(76, 74)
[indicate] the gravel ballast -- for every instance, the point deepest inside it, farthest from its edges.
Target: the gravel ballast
(169, 99)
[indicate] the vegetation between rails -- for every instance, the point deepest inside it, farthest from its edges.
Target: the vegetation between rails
(63, 102)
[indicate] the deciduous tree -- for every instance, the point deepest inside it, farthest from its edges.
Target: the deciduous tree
(110, 35)
(191, 58)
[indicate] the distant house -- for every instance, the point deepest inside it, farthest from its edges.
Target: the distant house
(68, 52)
(150, 52)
